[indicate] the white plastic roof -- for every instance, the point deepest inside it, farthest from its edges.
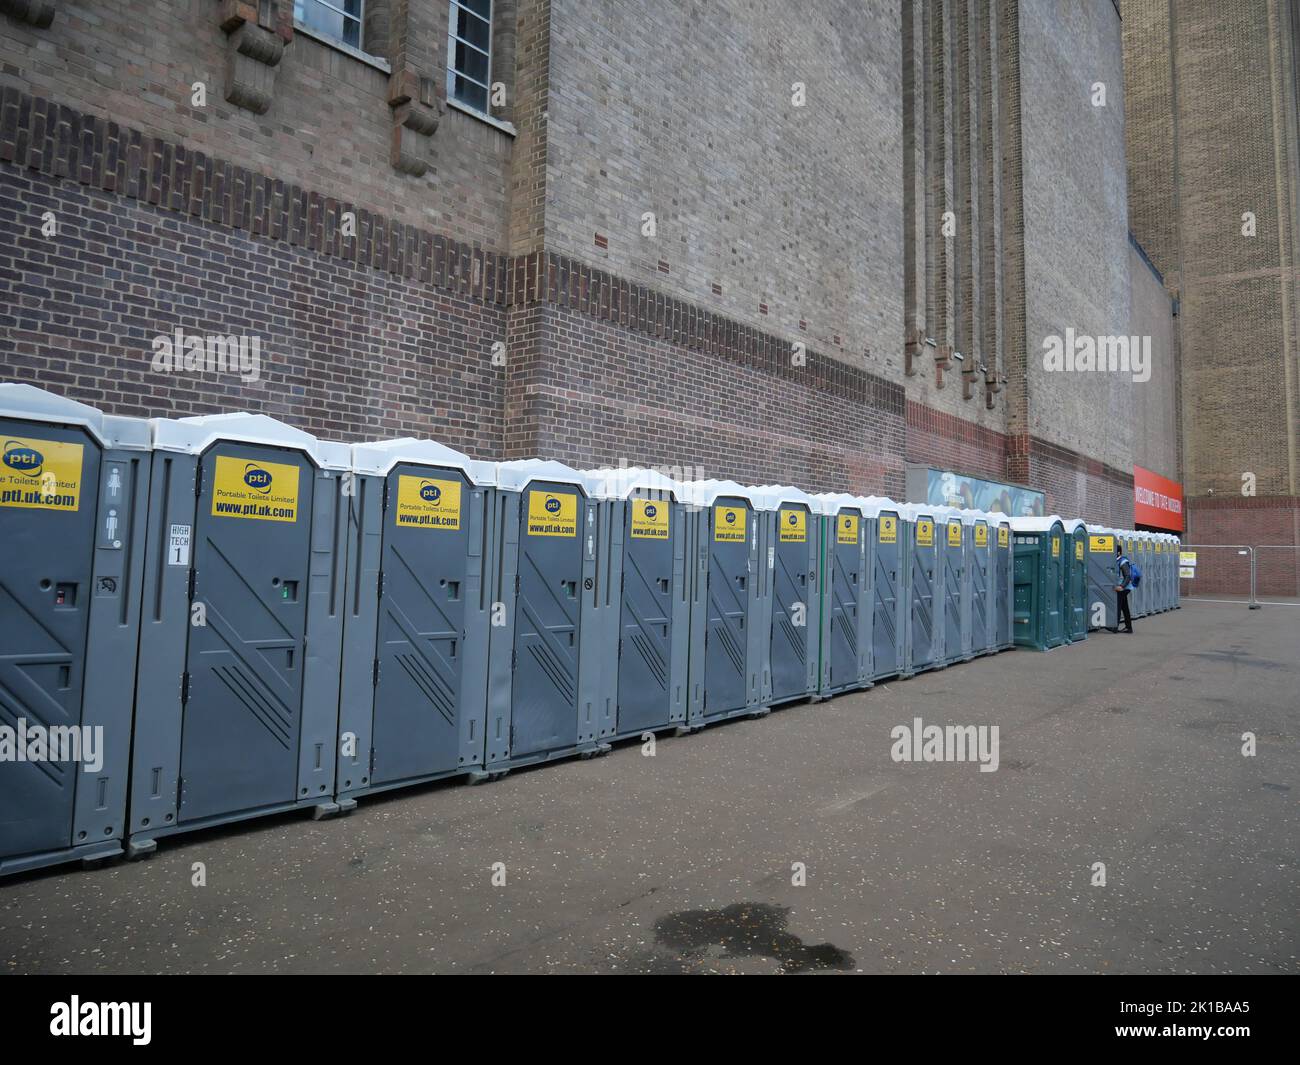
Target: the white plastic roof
(874, 506)
(193, 436)
(1102, 530)
(623, 482)
(703, 493)
(1071, 524)
(834, 502)
(971, 515)
(29, 403)
(1035, 524)
(517, 475)
(380, 456)
(912, 511)
(775, 495)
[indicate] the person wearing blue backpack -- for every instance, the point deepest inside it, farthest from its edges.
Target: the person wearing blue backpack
(1129, 578)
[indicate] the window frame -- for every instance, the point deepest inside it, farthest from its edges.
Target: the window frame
(453, 73)
(333, 5)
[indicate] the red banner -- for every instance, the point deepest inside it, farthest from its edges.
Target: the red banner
(1157, 500)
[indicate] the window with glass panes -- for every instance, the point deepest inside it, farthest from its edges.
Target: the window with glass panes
(339, 19)
(469, 53)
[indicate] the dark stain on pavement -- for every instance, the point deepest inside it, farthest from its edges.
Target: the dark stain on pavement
(1239, 659)
(747, 929)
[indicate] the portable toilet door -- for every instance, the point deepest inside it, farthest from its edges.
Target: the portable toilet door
(544, 666)
(1040, 591)
(846, 595)
(1102, 601)
(980, 570)
(1133, 551)
(1076, 542)
(950, 541)
(413, 698)
(240, 648)
(646, 580)
(1004, 586)
(888, 561)
(726, 585)
(74, 487)
(926, 588)
(793, 631)
(1167, 572)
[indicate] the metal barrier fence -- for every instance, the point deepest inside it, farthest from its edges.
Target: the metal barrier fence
(1264, 574)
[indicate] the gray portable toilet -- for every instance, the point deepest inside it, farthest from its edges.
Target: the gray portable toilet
(1177, 592)
(981, 571)
(1135, 549)
(237, 694)
(953, 541)
(74, 490)
(1102, 602)
(544, 665)
(792, 519)
(641, 607)
(886, 542)
(729, 589)
(413, 693)
(1004, 628)
(924, 561)
(846, 596)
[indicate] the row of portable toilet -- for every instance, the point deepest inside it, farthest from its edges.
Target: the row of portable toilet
(1066, 574)
(251, 620)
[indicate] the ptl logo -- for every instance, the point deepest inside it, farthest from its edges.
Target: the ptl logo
(23, 459)
(730, 519)
(794, 520)
(430, 493)
(651, 510)
(258, 479)
(552, 505)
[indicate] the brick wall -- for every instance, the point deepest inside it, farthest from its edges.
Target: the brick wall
(329, 125)
(1213, 134)
(684, 109)
(1075, 221)
(588, 392)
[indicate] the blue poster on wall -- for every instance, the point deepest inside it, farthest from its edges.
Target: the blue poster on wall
(946, 488)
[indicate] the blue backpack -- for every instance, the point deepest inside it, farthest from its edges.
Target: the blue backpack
(1134, 571)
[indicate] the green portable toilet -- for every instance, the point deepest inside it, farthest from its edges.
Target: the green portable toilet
(845, 613)
(1040, 576)
(74, 486)
(1076, 543)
